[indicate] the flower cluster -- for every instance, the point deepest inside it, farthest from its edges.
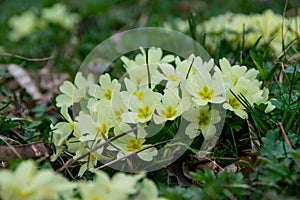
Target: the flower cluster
(120, 186)
(28, 183)
(269, 25)
(189, 89)
(28, 22)
(241, 83)
(236, 28)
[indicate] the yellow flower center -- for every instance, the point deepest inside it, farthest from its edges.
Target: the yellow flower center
(144, 113)
(103, 128)
(22, 194)
(72, 126)
(134, 145)
(204, 118)
(169, 112)
(206, 93)
(95, 198)
(172, 78)
(93, 158)
(138, 80)
(235, 104)
(107, 94)
(118, 113)
(235, 80)
(139, 95)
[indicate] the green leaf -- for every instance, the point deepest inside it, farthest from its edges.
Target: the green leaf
(273, 147)
(33, 124)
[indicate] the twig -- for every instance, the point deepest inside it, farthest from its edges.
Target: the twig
(11, 148)
(287, 140)
(282, 26)
(128, 155)
(19, 136)
(281, 73)
(287, 48)
(25, 58)
(4, 138)
(284, 135)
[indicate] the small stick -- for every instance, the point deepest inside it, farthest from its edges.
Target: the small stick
(128, 155)
(286, 139)
(25, 58)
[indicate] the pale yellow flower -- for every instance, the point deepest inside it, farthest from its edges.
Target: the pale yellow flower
(59, 14)
(104, 91)
(118, 106)
(242, 82)
(230, 75)
(138, 69)
(243, 89)
(141, 106)
(27, 183)
(132, 142)
(61, 131)
(203, 121)
(148, 191)
(73, 93)
(117, 188)
(95, 126)
(80, 148)
(204, 89)
(23, 25)
(233, 27)
(171, 106)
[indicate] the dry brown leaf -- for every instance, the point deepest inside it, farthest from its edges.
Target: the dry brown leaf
(50, 82)
(175, 169)
(206, 163)
(232, 168)
(34, 83)
(25, 81)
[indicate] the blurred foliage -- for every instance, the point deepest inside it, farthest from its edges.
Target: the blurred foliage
(100, 19)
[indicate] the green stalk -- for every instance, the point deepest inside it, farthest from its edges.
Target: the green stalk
(234, 143)
(190, 67)
(292, 118)
(148, 71)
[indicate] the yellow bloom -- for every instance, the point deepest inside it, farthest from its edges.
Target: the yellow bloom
(27, 183)
(104, 91)
(245, 88)
(118, 106)
(171, 106)
(202, 88)
(203, 120)
(231, 27)
(23, 25)
(119, 187)
(132, 142)
(97, 123)
(73, 93)
(61, 131)
(138, 69)
(59, 14)
(134, 145)
(230, 75)
(141, 111)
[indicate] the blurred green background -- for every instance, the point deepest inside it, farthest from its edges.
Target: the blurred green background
(99, 19)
